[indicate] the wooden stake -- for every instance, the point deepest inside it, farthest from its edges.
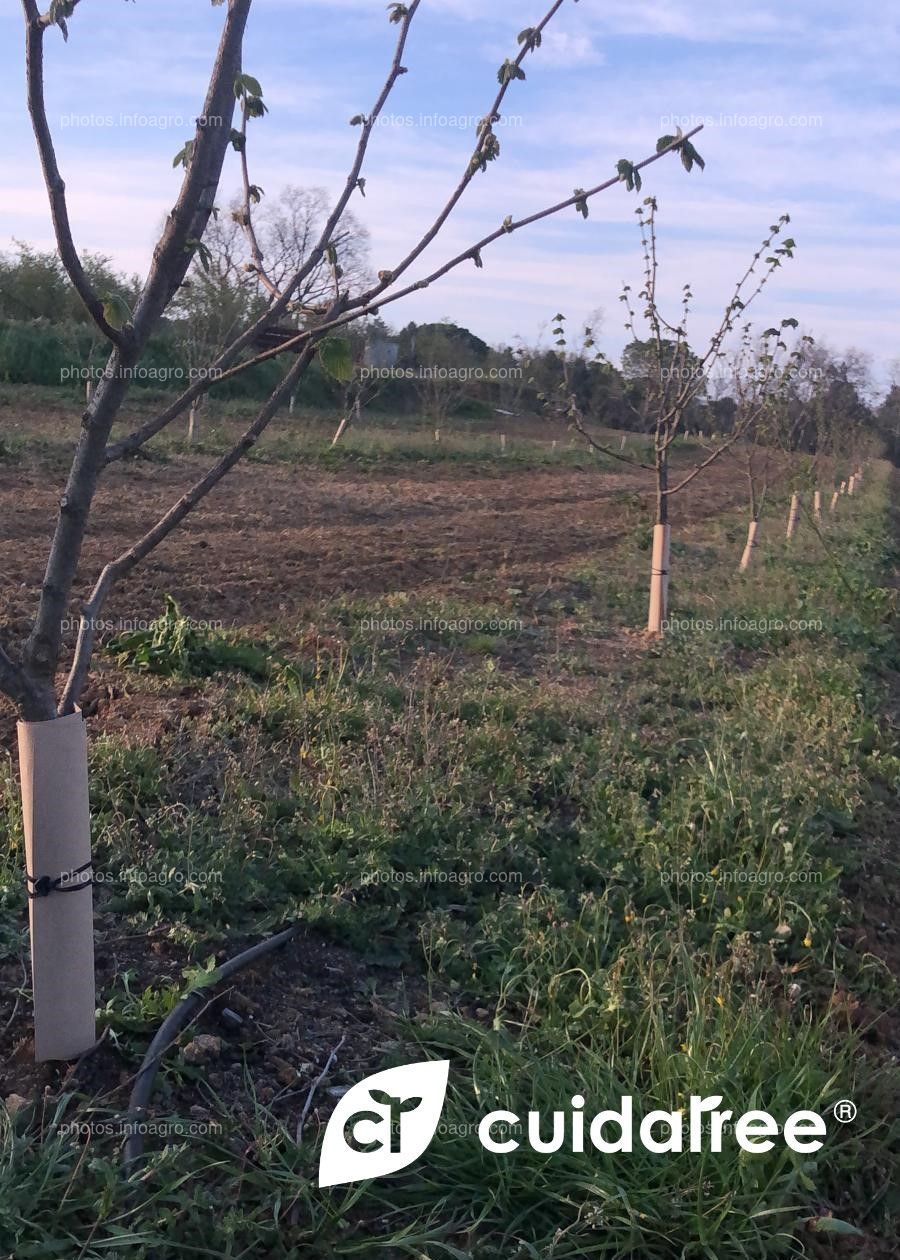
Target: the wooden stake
(659, 579)
(56, 818)
(502, 443)
(794, 515)
(747, 557)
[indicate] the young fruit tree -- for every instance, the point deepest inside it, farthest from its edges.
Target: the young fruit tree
(763, 374)
(52, 739)
(676, 377)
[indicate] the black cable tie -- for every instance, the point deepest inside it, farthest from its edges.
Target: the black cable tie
(44, 885)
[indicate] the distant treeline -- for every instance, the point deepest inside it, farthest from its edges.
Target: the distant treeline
(439, 371)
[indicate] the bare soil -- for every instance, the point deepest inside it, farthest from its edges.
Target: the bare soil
(273, 538)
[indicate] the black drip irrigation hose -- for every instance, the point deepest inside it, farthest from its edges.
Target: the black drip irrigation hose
(187, 1009)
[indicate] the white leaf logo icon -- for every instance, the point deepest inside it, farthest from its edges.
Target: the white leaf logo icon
(384, 1123)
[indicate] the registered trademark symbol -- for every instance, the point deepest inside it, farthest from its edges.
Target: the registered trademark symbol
(844, 1111)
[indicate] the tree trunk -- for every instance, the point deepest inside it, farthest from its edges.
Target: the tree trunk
(752, 540)
(793, 515)
(56, 817)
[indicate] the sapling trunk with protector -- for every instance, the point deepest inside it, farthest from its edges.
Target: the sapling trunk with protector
(51, 733)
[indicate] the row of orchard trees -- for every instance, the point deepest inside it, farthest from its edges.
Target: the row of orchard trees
(40, 673)
(780, 427)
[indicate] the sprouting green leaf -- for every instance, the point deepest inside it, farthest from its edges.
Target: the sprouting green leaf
(630, 174)
(336, 357)
(247, 85)
(203, 252)
(183, 156)
(202, 977)
(58, 12)
(116, 310)
(531, 37)
(508, 71)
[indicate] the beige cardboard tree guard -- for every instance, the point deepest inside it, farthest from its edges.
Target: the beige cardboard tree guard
(659, 578)
(747, 557)
(794, 516)
(834, 500)
(817, 505)
(56, 817)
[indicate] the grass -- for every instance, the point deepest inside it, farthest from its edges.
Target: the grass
(614, 882)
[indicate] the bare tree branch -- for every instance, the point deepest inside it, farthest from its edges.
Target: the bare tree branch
(487, 145)
(134, 441)
(189, 216)
(355, 311)
(35, 28)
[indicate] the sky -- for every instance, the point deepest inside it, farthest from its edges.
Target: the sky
(799, 101)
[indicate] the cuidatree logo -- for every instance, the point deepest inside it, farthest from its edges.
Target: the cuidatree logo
(384, 1123)
(387, 1121)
